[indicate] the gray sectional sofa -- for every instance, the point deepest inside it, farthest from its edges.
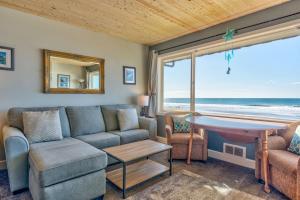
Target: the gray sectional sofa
(74, 167)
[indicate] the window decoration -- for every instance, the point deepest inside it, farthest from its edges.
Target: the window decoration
(229, 54)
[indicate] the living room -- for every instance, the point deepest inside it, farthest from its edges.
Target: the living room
(149, 99)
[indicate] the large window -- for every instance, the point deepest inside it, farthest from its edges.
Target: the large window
(177, 84)
(264, 81)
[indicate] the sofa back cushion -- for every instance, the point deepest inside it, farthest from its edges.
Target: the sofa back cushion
(128, 119)
(42, 126)
(110, 114)
(85, 120)
(15, 117)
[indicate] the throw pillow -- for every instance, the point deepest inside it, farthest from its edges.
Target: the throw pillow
(180, 124)
(42, 126)
(128, 119)
(295, 143)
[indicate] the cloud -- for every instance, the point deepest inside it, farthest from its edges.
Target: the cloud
(271, 82)
(295, 83)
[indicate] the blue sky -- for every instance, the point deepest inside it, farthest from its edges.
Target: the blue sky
(269, 70)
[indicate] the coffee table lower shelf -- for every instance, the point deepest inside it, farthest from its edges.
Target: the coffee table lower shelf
(136, 173)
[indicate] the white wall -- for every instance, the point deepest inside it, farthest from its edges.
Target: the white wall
(30, 34)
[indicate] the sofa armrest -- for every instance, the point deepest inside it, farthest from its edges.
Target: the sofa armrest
(275, 142)
(150, 124)
(169, 133)
(16, 152)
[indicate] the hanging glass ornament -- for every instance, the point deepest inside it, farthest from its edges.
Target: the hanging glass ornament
(229, 53)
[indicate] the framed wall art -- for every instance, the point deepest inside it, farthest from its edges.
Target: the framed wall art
(129, 75)
(7, 58)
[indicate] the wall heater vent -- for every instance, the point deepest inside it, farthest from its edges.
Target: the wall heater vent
(234, 150)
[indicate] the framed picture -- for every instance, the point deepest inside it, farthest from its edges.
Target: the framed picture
(63, 81)
(7, 58)
(129, 75)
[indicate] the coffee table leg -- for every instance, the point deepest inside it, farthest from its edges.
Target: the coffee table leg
(171, 162)
(124, 181)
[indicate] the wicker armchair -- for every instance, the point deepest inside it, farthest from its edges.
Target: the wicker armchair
(284, 166)
(181, 141)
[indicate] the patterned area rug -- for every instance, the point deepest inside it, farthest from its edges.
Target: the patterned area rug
(5, 193)
(183, 185)
(186, 185)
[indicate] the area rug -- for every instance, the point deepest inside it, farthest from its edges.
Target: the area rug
(186, 185)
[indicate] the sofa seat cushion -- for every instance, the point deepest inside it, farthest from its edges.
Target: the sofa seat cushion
(132, 135)
(58, 161)
(101, 140)
(183, 138)
(284, 160)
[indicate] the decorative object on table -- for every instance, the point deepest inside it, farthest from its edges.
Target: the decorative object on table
(63, 81)
(7, 58)
(230, 52)
(129, 75)
(143, 101)
(181, 141)
(186, 185)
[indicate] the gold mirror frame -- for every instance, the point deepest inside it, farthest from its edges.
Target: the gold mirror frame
(47, 69)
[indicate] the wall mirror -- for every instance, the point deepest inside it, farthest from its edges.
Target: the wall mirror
(71, 73)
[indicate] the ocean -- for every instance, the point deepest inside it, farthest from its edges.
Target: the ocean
(283, 108)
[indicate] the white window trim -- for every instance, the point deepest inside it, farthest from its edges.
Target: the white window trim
(281, 31)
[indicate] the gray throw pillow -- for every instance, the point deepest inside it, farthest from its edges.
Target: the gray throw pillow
(128, 119)
(42, 126)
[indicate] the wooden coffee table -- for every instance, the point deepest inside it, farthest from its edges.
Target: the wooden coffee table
(135, 169)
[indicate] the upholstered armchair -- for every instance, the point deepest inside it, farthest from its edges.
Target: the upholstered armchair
(284, 166)
(181, 141)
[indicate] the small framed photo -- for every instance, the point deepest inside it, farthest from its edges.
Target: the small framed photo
(7, 58)
(129, 75)
(63, 81)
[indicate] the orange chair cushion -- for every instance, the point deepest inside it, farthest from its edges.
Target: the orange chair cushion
(284, 160)
(183, 138)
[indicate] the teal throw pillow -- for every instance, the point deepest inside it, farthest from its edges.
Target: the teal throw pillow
(295, 143)
(180, 124)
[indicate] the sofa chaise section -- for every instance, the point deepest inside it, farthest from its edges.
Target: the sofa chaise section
(55, 164)
(52, 178)
(17, 147)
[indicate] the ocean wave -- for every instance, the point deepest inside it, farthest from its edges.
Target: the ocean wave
(262, 110)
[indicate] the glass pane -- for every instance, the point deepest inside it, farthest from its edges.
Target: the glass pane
(177, 84)
(264, 81)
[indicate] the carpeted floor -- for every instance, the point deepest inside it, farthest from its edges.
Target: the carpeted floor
(233, 176)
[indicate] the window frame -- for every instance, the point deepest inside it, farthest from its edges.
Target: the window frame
(269, 34)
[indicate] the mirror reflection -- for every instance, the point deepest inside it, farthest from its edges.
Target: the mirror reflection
(69, 73)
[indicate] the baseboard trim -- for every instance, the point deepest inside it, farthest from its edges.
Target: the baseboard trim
(2, 164)
(232, 159)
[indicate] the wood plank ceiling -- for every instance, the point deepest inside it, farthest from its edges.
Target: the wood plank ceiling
(142, 21)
